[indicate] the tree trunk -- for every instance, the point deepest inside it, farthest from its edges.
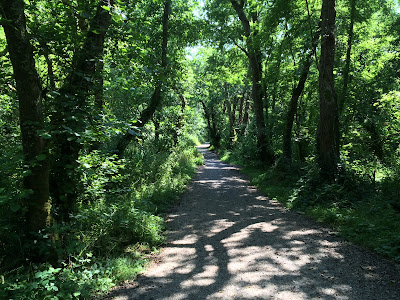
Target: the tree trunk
(232, 118)
(241, 107)
(255, 56)
(72, 111)
(245, 120)
(328, 126)
(29, 91)
(297, 91)
(155, 100)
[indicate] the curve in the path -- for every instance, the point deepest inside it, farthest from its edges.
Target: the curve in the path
(228, 241)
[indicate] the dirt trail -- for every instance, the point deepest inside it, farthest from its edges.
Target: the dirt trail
(228, 241)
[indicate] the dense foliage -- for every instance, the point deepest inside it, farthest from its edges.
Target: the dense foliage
(102, 103)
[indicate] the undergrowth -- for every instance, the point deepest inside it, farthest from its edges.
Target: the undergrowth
(364, 212)
(118, 226)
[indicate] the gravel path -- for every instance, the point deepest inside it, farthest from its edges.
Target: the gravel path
(228, 241)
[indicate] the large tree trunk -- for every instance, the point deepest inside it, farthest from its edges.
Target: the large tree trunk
(72, 111)
(255, 56)
(29, 92)
(328, 126)
(155, 100)
(297, 91)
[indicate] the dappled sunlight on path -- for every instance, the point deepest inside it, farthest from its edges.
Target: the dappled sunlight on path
(228, 241)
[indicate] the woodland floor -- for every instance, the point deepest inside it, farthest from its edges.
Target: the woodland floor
(228, 241)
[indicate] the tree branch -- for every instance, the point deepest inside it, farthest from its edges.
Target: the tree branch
(240, 47)
(242, 16)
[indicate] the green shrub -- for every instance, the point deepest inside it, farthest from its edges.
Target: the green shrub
(117, 224)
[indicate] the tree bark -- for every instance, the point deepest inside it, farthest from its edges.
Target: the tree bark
(297, 91)
(255, 57)
(245, 120)
(156, 123)
(29, 91)
(328, 126)
(241, 107)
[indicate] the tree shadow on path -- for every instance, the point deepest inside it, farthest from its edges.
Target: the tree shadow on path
(228, 241)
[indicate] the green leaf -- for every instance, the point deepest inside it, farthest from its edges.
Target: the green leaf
(117, 18)
(26, 193)
(14, 207)
(105, 8)
(26, 173)
(41, 157)
(45, 135)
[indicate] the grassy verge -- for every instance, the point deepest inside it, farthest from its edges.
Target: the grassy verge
(360, 211)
